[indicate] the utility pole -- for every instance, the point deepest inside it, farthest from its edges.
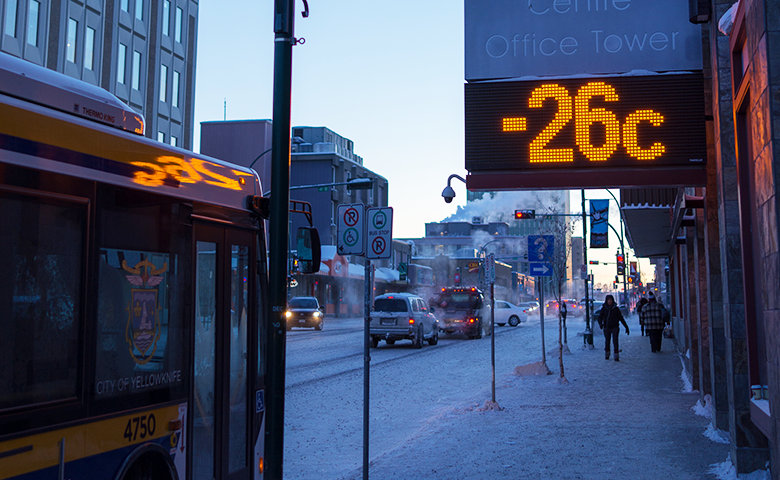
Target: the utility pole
(276, 331)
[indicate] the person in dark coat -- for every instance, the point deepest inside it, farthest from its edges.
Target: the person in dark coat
(654, 315)
(610, 319)
(642, 302)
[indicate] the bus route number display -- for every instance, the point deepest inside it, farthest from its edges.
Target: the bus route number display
(585, 123)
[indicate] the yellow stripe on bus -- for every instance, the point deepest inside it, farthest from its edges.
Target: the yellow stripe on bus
(155, 165)
(82, 441)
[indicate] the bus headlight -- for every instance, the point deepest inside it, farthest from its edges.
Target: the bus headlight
(288, 314)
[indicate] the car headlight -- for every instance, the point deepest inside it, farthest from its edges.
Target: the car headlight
(288, 314)
(317, 314)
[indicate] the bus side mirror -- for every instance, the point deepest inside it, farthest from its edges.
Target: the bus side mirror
(309, 249)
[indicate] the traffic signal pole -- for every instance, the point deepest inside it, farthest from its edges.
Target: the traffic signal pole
(276, 329)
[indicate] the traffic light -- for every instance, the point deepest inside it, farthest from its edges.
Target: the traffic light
(621, 264)
(525, 214)
(594, 262)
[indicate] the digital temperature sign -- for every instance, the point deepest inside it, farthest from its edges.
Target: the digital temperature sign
(586, 124)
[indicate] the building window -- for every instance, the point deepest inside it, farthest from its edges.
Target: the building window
(139, 9)
(120, 63)
(163, 83)
(175, 87)
(89, 48)
(161, 137)
(348, 178)
(177, 27)
(70, 47)
(124, 5)
(166, 17)
(174, 141)
(10, 18)
(136, 70)
(32, 23)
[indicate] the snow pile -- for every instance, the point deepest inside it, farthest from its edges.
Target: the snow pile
(703, 410)
(687, 385)
(490, 406)
(538, 368)
(727, 471)
(717, 436)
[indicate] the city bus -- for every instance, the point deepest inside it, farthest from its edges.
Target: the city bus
(133, 285)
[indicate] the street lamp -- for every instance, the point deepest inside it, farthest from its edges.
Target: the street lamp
(354, 184)
(622, 248)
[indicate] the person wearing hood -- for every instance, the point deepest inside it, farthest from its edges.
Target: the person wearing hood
(655, 317)
(610, 319)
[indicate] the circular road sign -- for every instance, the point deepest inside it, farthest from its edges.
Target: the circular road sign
(378, 245)
(351, 217)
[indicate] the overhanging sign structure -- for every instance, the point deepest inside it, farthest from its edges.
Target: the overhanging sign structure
(513, 38)
(586, 132)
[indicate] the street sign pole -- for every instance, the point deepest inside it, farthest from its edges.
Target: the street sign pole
(540, 281)
(493, 336)
(366, 364)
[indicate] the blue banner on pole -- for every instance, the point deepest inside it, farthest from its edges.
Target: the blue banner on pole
(599, 223)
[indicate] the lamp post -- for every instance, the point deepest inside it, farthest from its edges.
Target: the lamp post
(622, 249)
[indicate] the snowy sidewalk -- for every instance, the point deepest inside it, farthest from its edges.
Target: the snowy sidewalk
(613, 420)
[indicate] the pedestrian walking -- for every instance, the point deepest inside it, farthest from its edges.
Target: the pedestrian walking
(610, 319)
(642, 302)
(656, 317)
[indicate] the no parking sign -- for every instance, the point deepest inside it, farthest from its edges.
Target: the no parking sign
(379, 232)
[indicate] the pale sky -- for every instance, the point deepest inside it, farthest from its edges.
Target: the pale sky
(387, 75)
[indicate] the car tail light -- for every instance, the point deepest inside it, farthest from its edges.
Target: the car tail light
(472, 320)
(411, 321)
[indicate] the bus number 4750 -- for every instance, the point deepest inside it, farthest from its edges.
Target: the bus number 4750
(146, 424)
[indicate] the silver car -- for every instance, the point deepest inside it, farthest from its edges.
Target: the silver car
(403, 316)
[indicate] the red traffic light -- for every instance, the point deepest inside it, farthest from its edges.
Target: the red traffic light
(525, 214)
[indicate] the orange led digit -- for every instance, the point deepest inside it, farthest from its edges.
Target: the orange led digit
(631, 140)
(585, 117)
(514, 124)
(536, 151)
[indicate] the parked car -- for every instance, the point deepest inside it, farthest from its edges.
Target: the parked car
(506, 312)
(304, 312)
(402, 316)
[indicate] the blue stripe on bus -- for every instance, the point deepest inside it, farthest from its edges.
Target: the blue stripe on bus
(71, 157)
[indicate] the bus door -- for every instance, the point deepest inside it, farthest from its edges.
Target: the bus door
(223, 339)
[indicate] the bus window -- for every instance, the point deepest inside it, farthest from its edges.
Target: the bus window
(40, 297)
(142, 286)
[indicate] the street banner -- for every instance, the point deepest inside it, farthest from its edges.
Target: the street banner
(599, 223)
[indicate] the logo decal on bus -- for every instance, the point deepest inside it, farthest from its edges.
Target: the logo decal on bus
(143, 322)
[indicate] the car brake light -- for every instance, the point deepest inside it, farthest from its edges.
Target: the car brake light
(471, 320)
(411, 321)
